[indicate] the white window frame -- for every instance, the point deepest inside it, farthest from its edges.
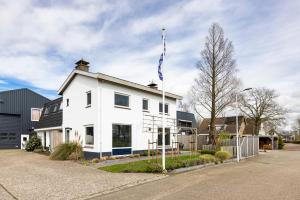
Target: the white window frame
(85, 144)
(167, 113)
(119, 106)
(39, 114)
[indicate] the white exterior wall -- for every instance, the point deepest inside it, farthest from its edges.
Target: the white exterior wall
(103, 113)
(40, 134)
(77, 115)
(133, 116)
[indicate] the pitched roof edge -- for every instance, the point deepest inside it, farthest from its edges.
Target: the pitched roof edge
(113, 80)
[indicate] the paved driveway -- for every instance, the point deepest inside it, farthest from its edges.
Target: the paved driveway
(274, 175)
(32, 176)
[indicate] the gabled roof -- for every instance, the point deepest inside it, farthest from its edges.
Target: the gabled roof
(228, 123)
(114, 80)
(54, 116)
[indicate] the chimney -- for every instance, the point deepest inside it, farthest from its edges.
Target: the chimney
(153, 85)
(82, 65)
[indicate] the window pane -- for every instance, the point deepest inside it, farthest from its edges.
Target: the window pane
(166, 108)
(121, 135)
(89, 136)
(121, 100)
(167, 136)
(35, 114)
(89, 98)
(145, 104)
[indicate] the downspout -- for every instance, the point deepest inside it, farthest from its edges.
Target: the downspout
(99, 118)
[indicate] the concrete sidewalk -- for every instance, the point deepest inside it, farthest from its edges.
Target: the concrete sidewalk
(270, 176)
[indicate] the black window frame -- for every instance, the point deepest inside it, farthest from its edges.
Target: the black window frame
(118, 103)
(147, 104)
(86, 133)
(88, 99)
(117, 131)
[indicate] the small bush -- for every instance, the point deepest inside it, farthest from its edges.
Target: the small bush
(33, 143)
(207, 158)
(211, 152)
(152, 152)
(71, 151)
(223, 155)
(280, 143)
(153, 168)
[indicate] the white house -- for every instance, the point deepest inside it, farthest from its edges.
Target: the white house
(112, 116)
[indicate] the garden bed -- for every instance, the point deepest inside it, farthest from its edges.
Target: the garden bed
(154, 165)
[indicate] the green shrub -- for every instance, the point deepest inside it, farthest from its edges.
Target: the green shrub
(207, 158)
(33, 143)
(153, 168)
(223, 155)
(72, 151)
(152, 152)
(211, 152)
(280, 143)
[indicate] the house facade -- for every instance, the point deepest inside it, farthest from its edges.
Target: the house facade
(19, 115)
(49, 127)
(107, 114)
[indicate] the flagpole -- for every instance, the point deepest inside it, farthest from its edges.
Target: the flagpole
(163, 114)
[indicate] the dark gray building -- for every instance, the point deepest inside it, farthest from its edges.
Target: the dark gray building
(19, 114)
(186, 119)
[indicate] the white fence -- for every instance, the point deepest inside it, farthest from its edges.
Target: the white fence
(249, 145)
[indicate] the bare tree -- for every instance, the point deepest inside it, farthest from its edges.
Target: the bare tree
(260, 105)
(215, 85)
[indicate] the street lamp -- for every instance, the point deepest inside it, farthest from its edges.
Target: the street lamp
(237, 124)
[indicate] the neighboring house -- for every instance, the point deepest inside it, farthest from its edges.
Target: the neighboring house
(185, 121)
(107, 113)
(49, 128)
(226, 124)
(246, 127)
(19, 114)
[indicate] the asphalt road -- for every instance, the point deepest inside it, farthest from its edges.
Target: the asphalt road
(272, 175)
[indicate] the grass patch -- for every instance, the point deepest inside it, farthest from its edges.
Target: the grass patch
(143, 166)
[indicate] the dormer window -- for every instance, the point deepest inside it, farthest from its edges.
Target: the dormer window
(46, 112)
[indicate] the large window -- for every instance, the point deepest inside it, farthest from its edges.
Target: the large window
(167, 136)
(145, 105)
(89, 135)
(166, 108)
(121, 100)
(88, 99)
(35, 114)
(121, 135)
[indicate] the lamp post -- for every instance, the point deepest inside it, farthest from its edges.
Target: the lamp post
(237, 124)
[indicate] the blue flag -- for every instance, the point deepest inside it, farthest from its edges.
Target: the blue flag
(161, 59)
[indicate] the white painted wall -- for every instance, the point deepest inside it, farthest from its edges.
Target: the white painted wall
(40, 134)
(77, 115)
(103, 113)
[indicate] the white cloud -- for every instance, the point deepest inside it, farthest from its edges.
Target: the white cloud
(41, 40)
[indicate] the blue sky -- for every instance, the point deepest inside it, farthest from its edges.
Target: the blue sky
(41, 41)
